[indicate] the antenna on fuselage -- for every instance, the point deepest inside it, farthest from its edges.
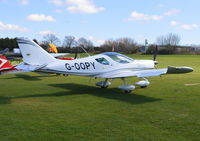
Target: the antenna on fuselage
(85, 51)
(76, 54)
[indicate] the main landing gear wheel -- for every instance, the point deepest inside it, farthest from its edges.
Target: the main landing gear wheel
(143, 83)
(126, 88)
(103, 84)
(127, 91)
(104, 87)
(143, 86)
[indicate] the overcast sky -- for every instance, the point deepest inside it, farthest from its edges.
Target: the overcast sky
(99, 20)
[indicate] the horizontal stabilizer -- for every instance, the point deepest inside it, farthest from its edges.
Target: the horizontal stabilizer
(23, 68)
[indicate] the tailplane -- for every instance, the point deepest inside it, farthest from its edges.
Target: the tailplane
(33, 54)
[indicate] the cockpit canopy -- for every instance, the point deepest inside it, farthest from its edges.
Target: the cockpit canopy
(118, 57)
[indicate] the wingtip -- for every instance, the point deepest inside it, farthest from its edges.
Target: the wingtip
(171, 69)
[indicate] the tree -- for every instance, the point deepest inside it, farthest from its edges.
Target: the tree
(8, 43)
(169, 41)
(125, 45)
(85, 44)
(108, 46)
(69, 41)
(51, 38)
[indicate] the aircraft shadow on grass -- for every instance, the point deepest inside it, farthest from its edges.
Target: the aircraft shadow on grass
(79, 89)
(29, 77)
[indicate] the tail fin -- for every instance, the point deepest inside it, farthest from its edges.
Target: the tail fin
(4, 64)
(33, 54)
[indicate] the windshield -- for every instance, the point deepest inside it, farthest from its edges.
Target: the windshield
(118, 57)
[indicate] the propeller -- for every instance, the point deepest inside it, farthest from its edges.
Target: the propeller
(75, 55)
(76, 52)
(155, 55)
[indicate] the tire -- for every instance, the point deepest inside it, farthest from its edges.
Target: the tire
(104, 87)
(127, 91)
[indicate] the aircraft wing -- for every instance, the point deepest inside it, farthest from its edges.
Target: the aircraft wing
(144, 73)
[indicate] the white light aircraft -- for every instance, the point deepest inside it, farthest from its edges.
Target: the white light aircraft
(108, 65)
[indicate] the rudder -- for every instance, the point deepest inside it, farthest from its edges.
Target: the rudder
(33, 54)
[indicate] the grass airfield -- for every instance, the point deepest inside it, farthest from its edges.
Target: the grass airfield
(54, 108)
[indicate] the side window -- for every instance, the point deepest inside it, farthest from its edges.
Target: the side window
(102, 61)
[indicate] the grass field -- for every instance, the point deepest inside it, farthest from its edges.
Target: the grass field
(57, 108)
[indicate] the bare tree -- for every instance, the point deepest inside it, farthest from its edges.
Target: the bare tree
(85, 44)
(160, 40)
(69, 41)
(127, 45)
(170, 39)
(82, 42)
(51, 38)
(109, 45)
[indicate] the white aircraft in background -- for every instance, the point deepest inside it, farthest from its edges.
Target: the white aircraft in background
(4, 51)
(108, 65)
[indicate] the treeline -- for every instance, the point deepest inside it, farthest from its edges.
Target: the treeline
(167, 44)
(8, 43)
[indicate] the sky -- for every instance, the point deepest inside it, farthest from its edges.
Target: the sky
(100, 20)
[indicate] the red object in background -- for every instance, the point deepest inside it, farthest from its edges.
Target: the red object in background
(4, 64)
(65, 58)
(51, 50)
